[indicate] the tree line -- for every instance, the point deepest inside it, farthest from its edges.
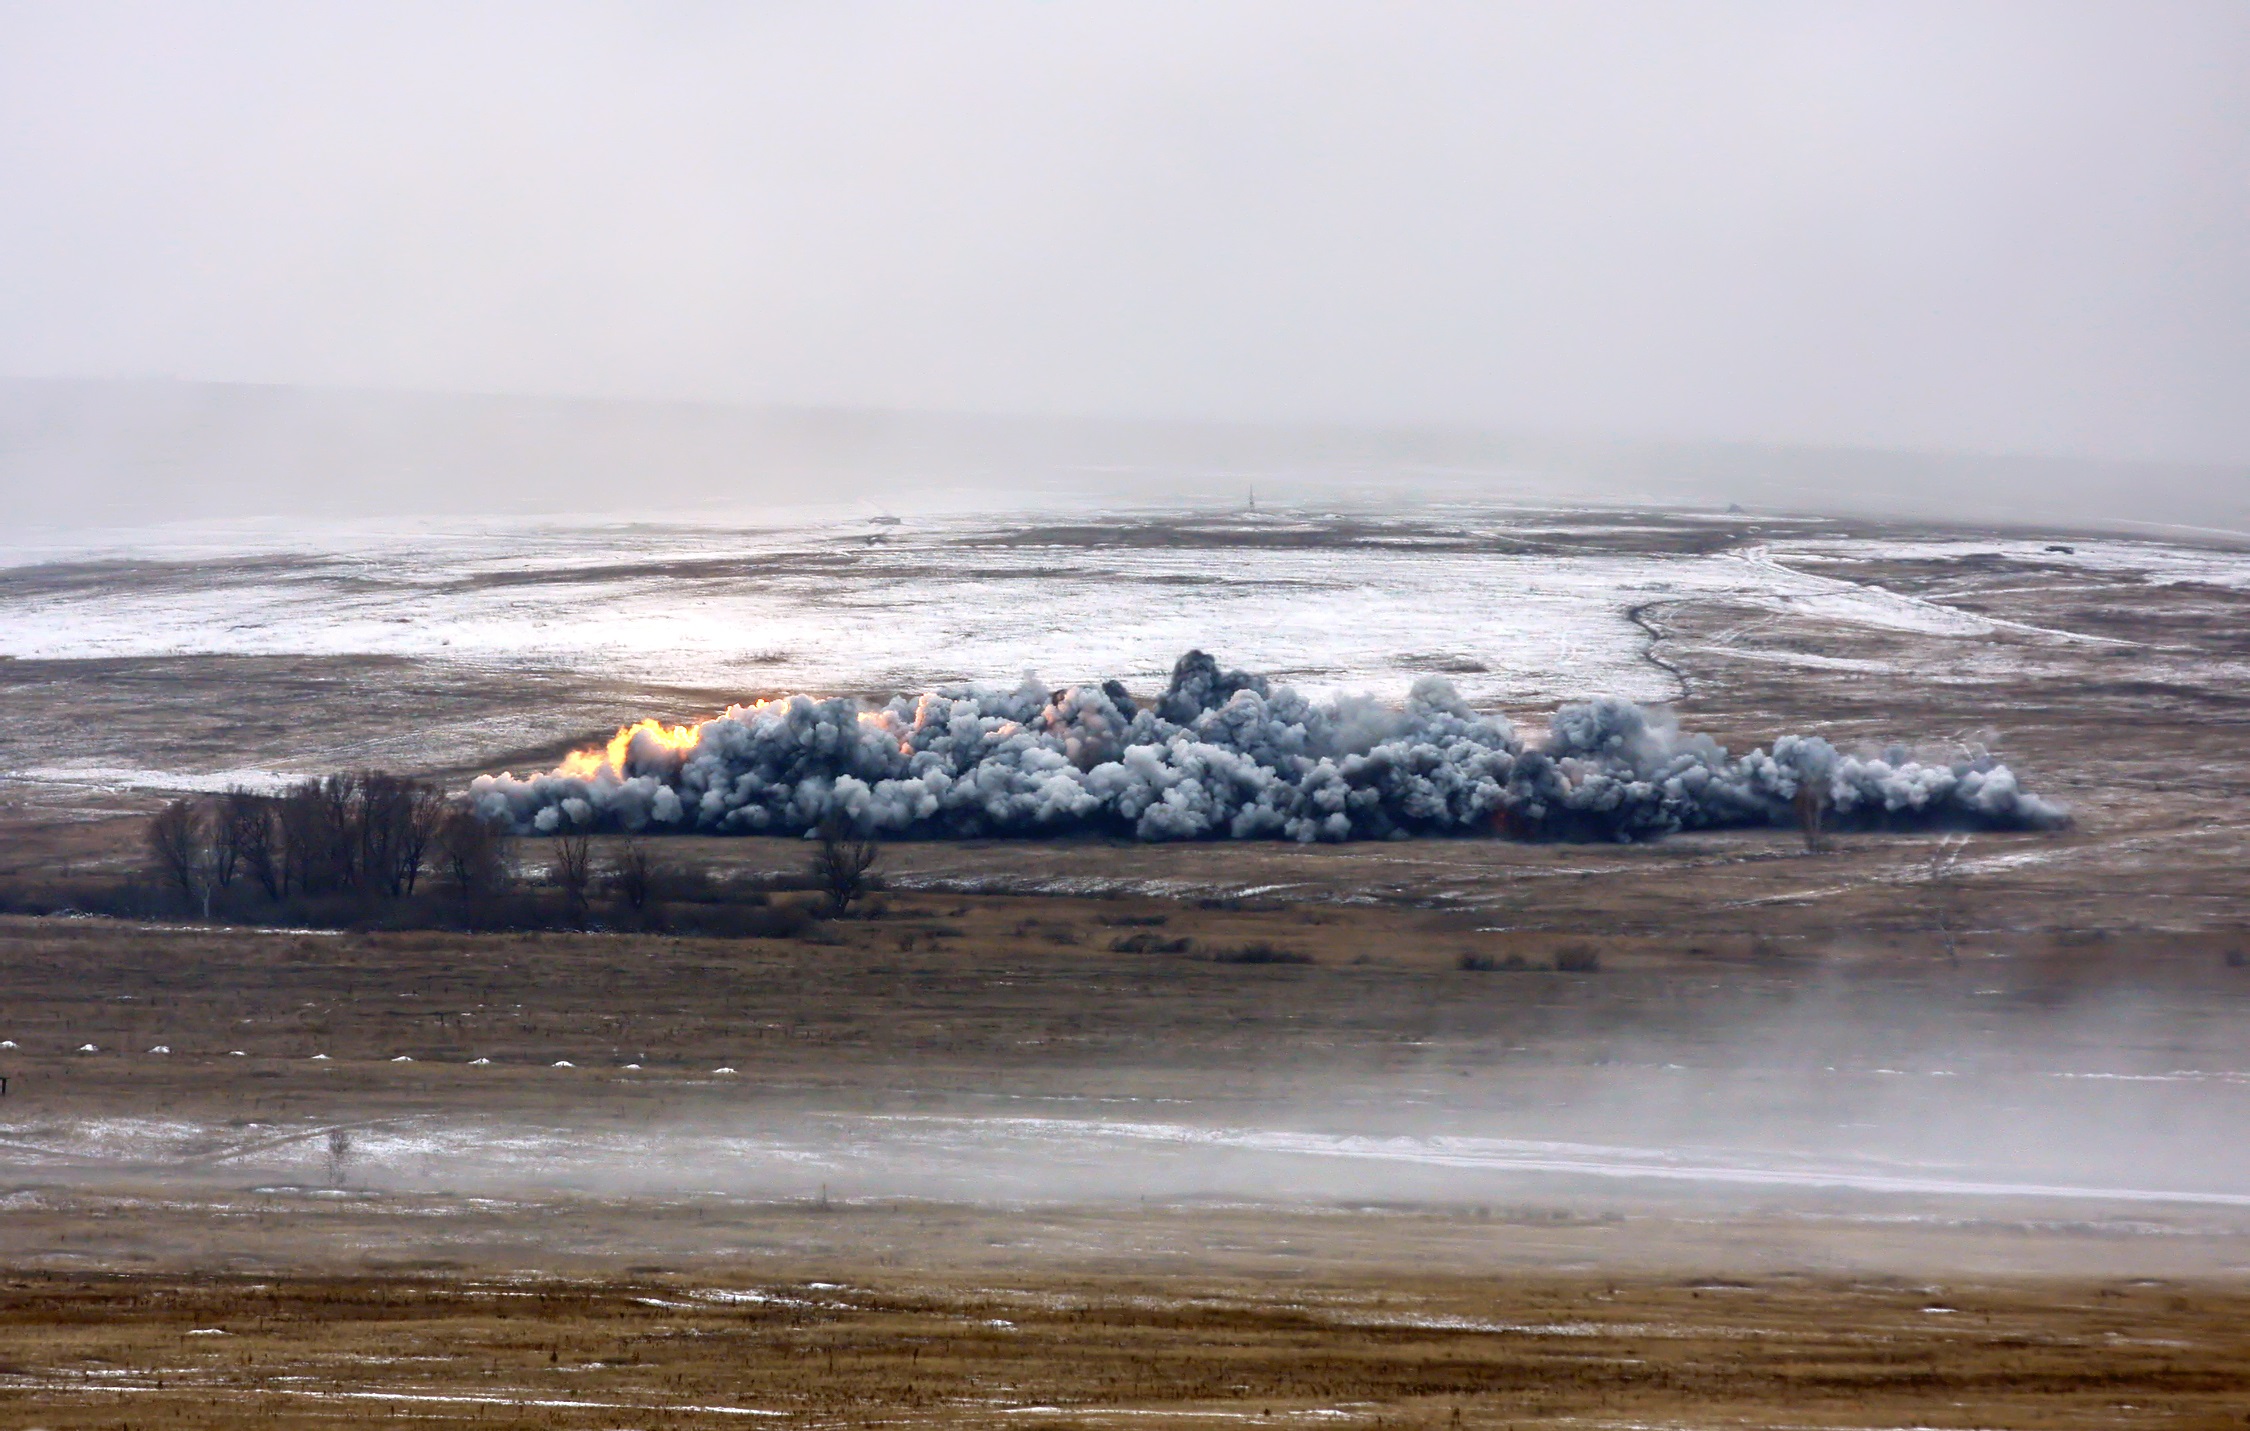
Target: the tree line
(363, 835)
(373, 847)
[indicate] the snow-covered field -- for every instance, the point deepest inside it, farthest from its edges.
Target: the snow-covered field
(828, 601)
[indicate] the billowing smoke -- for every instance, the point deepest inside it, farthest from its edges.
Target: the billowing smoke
(1221, 755)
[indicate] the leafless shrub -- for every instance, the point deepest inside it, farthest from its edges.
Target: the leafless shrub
(841, 863)
(633, 876)
(1148, 944)
(1578, 959)
(1475, 963)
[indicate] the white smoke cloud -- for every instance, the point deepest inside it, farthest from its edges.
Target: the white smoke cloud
(1223, 755)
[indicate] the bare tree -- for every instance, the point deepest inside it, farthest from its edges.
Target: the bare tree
(376, 817)
(223, 857)
(573, 870)
(323, 832)
(1812, 814)
(246, 829)
(841, 863)
(304, 862)
(472, 854)
(425, 813)
(392, 821)
(340, 812)
(1944, 879)
(179, 839)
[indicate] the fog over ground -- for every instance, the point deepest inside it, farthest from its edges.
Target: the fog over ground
(1984, 260)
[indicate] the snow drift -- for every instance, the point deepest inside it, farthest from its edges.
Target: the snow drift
(1223, 755)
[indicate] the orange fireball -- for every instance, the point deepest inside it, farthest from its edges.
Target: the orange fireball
(586, 764)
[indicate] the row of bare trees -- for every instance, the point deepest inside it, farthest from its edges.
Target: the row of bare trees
(350, 846)
(368, 835)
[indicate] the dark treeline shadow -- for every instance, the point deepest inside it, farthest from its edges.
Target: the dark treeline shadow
(374, 850)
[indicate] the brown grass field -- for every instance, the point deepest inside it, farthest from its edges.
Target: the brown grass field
(656, 1351)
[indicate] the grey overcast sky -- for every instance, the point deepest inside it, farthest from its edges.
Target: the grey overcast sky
(1981, 226)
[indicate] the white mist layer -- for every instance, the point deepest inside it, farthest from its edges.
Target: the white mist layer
(974, 1159)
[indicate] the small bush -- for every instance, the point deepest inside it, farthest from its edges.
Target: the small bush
(784, 920)
(2236, 959)
(1136, 921)
(1578, 960)
(1147, 944)
(1487, 964)
(1260, 953)
(775, 921)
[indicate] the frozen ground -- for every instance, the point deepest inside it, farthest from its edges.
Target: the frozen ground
(1520, 607)
(1514, 607)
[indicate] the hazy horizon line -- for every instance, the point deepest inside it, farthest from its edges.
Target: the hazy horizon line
(1457, 430)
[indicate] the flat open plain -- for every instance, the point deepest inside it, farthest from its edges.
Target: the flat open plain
(1901, 1133)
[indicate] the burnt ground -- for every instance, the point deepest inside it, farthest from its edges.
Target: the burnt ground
(2077, 999)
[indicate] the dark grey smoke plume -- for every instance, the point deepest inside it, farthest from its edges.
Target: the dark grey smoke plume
(1222, 755)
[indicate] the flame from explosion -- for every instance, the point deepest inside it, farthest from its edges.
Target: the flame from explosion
(588, 763)
(613, 758)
